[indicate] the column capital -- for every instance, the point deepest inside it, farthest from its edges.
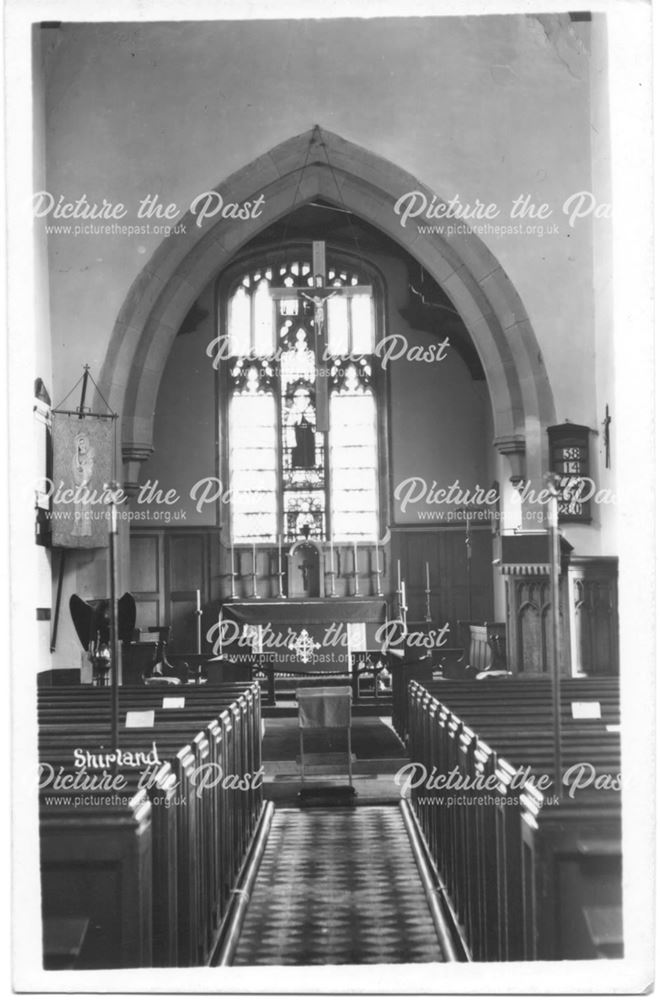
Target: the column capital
(134, 453)
(513, 446)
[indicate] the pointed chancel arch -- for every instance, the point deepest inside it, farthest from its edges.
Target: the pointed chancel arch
(319, 164)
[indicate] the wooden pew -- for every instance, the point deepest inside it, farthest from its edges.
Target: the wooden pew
(162, 797)
(500, 693)
(201, 835)
(214, 827)
(483, 851)
(197, 830)
(96, 864)
(243, 703)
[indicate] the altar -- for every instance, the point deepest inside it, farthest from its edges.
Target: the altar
(303, 636)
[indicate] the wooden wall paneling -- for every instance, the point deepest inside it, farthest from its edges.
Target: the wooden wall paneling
(147, 577)
(167, 567)
(594, 607)
(482, 575)
(186, 571)
(445, 551)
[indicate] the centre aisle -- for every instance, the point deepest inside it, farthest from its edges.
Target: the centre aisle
(335, 887)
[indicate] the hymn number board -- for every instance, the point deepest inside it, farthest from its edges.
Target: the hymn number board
(569, 459)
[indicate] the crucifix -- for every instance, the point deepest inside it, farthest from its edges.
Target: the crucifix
(306, 566)
(318, 294)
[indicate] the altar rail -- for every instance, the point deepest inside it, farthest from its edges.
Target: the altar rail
(527, 877)
(151, 867)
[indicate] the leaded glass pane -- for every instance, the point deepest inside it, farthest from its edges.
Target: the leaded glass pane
(239, 322)
(263, 320)
(362, 323)
(353, 463)
(337, 312)
(251, 479)
(260, 525)
(253, 466)
(351, 457)
(350, 526)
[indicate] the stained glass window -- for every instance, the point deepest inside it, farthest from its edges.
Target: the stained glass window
(286, 477)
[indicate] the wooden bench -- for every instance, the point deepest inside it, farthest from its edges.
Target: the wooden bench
(494, 848)
(501, 693)
(96, 863)
(200, 828)
(197, 825)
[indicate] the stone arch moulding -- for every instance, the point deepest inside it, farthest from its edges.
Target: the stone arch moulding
(317, 164)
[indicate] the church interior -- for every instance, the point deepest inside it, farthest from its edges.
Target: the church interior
(326, 556)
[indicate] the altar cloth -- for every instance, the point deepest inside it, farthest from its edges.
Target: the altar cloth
(324, 707)
(324, 610)
(303, 636)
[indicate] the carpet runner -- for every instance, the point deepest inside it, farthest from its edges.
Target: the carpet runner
(338, 887)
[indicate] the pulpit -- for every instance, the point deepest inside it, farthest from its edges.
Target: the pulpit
(525, 563)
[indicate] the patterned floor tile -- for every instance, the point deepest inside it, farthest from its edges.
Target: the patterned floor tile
(338, 887)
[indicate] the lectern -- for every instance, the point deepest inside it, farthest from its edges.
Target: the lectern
(324, 708)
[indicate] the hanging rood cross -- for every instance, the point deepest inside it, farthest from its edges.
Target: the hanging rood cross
(319, 295)
(319, 308)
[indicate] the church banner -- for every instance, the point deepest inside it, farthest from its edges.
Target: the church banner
(82, 471)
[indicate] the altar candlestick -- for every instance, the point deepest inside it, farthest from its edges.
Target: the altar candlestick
(198, 616)
(232, 573)
(379, 589)
(428, 594)
(254, 570)
(333, 592)
(468, 565)
(280, 572)
(403, 593)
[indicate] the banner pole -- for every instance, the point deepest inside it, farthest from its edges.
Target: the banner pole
(114, 638)
(555, 666)
(83, 393)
